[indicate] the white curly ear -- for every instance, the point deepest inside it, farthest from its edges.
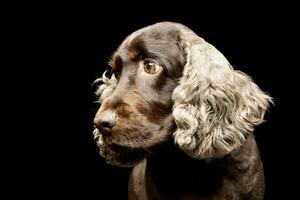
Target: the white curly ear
(107, 87)
(215, 106)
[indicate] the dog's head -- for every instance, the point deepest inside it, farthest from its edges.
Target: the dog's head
(168, 82)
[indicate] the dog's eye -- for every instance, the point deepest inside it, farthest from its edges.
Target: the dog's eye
(151, 67)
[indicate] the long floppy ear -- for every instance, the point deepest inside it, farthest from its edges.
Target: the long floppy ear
(215, 106)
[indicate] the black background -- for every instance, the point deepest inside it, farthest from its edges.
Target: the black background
(62, 49)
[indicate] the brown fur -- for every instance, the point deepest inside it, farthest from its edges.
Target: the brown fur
(142, 134)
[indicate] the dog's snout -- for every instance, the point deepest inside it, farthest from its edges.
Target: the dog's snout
(105, 121)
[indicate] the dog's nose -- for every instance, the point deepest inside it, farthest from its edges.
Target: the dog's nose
(105, 121)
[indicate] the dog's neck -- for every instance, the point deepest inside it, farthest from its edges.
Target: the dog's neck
(170, 170)
(170, 173)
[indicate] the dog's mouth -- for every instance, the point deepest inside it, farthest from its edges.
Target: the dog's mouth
(117, 154)
(118, 148)
(124, 149)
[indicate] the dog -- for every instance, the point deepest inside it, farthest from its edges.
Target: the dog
(176, 111)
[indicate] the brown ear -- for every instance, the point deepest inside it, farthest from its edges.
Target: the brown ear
(215, 107)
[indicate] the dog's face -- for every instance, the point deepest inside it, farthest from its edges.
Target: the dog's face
(167, 81)
(138, 114)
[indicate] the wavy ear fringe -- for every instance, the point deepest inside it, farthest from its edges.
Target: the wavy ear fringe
(107, 87)
(215, 107)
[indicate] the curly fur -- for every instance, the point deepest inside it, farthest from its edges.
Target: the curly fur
(107, 87)
(215, 107)
(103, 91)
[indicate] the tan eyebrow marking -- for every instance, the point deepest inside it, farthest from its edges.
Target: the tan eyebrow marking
(133, 53)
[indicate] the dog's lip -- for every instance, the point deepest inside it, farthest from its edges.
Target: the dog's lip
(118, 148)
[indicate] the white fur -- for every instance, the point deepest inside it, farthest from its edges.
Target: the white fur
(107, 87)
(215, 107)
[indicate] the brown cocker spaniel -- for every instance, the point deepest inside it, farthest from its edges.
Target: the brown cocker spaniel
(176, 111)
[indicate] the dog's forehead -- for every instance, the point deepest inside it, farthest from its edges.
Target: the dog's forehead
(153, 33)
(160, 41)
(162, 28)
